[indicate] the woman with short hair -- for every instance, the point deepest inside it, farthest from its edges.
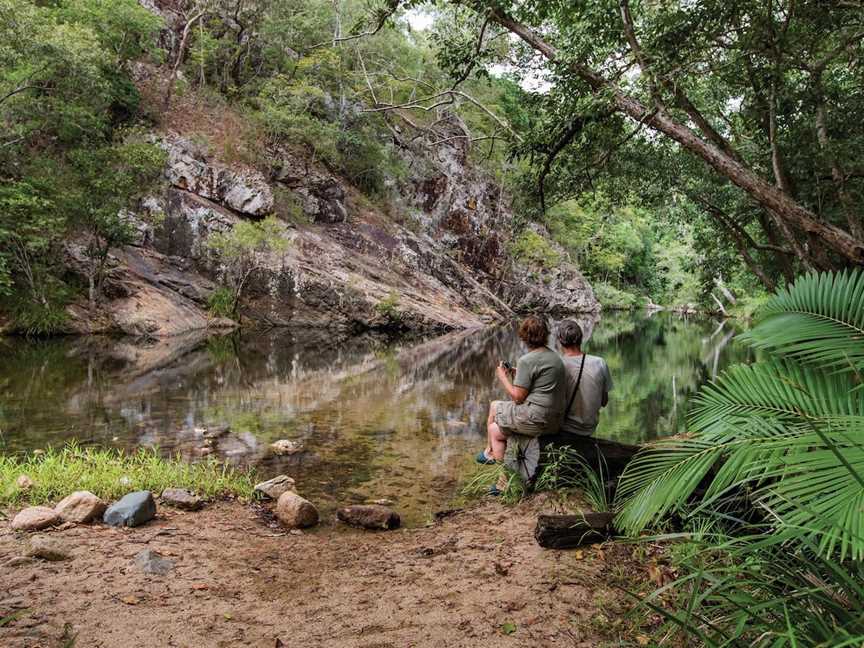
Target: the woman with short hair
(536, 393)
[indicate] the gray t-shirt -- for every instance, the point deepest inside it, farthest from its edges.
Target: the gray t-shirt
(542, 373)
(584, 413)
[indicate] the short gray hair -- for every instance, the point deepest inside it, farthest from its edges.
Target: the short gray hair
(569, 334)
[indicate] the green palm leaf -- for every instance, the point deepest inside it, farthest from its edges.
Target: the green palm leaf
(817, 320)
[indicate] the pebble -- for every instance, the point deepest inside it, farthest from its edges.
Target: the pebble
(182, 498)
(152, 562)
(131, 510)
(45, 548)
(35, 518)
(24, 482)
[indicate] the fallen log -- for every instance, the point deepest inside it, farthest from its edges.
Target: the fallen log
(569, 531)
(611, 455)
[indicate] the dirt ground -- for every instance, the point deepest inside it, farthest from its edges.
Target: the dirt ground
(476, 578)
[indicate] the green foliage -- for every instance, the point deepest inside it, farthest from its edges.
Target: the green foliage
(389, 306)
(532, 248)
(566, 469)
(613, 299)
(787, 429)
(40, 320)
(110, 474)
(245, 249)
(514, 487)
(220, 302)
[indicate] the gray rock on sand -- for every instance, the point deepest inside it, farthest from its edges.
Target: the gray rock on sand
(273, 488)
(369, 516)
(295, 512)
(35, 518)
(152, 562)
(45, 548)
(131, 510)
(80, 507)
(182, 499)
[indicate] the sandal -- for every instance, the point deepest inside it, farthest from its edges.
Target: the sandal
(494, 491)
(483, 460)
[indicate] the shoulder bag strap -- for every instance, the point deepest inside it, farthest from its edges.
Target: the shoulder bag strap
(576, 388)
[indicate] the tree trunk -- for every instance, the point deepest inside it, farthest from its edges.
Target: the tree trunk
(766, 194)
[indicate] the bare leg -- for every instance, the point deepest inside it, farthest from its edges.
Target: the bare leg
(490, 420)
(498, 441)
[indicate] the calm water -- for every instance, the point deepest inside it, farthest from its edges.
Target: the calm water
(377, 418)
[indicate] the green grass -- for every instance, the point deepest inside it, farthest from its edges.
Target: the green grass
(485, 476)
(220, 303)
(110, 474)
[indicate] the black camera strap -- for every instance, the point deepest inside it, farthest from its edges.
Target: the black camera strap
(576, 388)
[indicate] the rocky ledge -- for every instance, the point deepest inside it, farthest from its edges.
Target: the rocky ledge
(440, 263)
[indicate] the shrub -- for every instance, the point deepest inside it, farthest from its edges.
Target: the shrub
(531, 248)
(611, 298)
(220, 302)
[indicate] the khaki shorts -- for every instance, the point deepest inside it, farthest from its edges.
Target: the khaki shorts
(524, 418)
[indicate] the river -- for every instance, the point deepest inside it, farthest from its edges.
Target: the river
(377, 418)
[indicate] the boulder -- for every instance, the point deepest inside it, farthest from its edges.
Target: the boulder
(45, 548)
(369, 516)
(153, 562)
(273, 488)
(35, 518)
(286, 446)
(295, 512)
(182, 499)
(131, 510)
(80, 507)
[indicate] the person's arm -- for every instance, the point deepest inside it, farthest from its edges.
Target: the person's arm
(607, 385)
(516, 394)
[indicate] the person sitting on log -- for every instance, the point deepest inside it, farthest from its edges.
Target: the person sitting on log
(536, 393)
(588, 382)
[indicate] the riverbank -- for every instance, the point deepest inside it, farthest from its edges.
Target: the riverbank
(476, 577)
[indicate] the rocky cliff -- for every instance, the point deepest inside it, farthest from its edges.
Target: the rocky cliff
(430, 254)
(440, 262)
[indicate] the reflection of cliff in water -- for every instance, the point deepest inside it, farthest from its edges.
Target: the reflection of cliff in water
(376, 416)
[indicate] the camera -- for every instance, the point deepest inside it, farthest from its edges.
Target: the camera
(507, 365)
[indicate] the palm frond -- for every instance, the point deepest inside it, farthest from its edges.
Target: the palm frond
(818, 320)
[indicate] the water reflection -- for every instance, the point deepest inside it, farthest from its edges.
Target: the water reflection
(378, 418)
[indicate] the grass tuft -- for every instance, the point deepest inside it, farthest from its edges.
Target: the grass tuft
(110, 474)
(486, 476)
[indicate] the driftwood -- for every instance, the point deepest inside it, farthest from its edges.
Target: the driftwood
(568, 531)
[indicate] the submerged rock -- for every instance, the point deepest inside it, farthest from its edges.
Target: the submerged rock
(274, 488)
(182, 498)
(35, 518)
(286, 446)
(131, 510)
(45, 548)
(153, 562)
(80, 507)
(295, 512)
(369, 516)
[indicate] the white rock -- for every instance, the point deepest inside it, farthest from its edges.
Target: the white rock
(35, 518)
(295, 512)
(286, 446)
(273, 488)
(24, 482)
(80, 507)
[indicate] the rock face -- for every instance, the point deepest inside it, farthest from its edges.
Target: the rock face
(152, 562)
(182, 499)
(369, 516)
(295, 512)
(436, 259)
(35, 518)
(131, 510)
(45, 548)
(274, 488)
(80, 507)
